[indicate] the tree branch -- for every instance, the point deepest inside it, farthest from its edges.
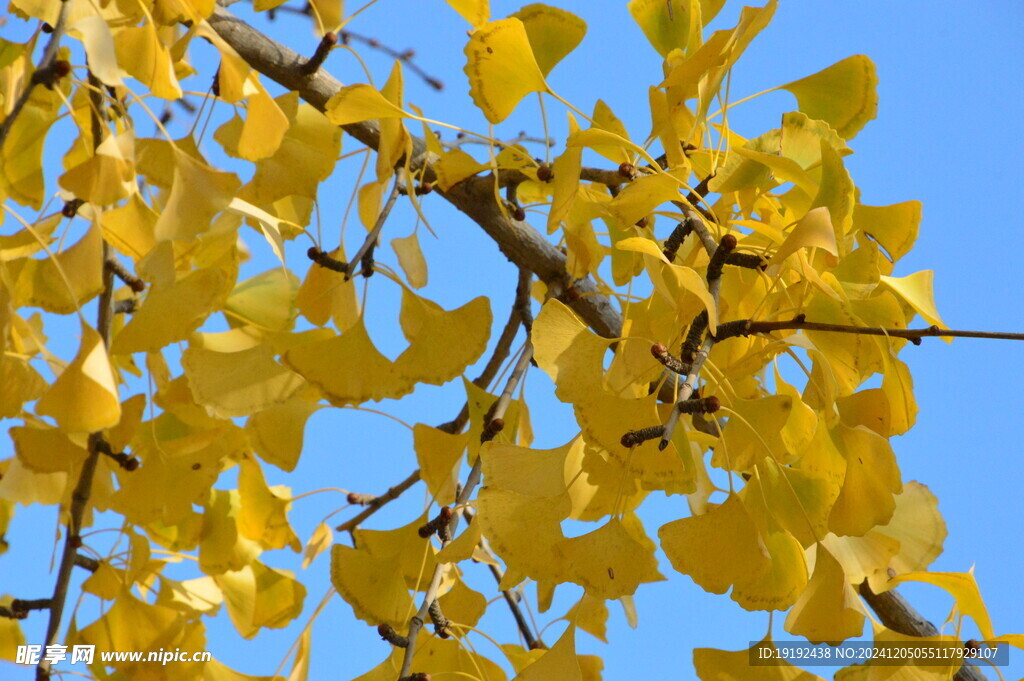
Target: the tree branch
(374, 504)
(746, 327)
(44, 73)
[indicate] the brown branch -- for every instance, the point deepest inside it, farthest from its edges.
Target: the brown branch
(897, 614)
(746, 327)
(44, 74)
(366, 250)
(373, 504)
(517, 240)
(323, 49)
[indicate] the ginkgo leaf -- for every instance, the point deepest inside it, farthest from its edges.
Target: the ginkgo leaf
(84, 397)
(829, 609)
(438, 454)
(141, 52)
(197, 194)
(754, 432)
(963, 587)
(410, 258)
(560, 662)
(611, 561)
(476, 12)
(814, 230)
(454, 166)
(791, 499)
(321, 539)
(553, 33)
(276, 433)
(260, 596)
(894, 227)
(670, 25)
(264, 512)
(801, 139)
(782, 583)
(590, 615)
(442, 343)
(222, 548)
(501, 68)
(872, 478)
(712, 664)
(565, 184)
(372, 585)
(718, 549)
(131, 621)
(917, 290)
(266, 301)
(42, 283)
(46, 450)
(463, 605)
(98, 42)
(107, 176)
(347, 368)
(844, 95)
(325, 295)
(130, 227)
(503, 515)
(358, 103)
(405, 548)
(171, 312)
(238, 383)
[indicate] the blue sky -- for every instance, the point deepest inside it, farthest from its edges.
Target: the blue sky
(948, 133)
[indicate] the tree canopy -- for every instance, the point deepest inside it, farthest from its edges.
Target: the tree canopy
(723, 318)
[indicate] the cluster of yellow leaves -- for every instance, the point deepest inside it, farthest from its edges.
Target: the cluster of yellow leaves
(815, 504)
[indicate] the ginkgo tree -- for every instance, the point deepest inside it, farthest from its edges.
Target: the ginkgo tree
(722, 315)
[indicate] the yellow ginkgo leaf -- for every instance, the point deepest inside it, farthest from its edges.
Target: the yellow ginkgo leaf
(325, 295)
(872, 479)
(372, 585)
(918, 527)
(147, 59)
(266, 301)
(501, 68)
(560, 662)
(917, 290)
(612, 561)
(754, 433)
(802, 136)
(829, 609)
(321, 539)
(98, 41)
(553, 33)
(894, 227)
(170, 312)
(476, 12)
(438, 454)
(405, 548)
(42, 283)
(84, 397)
(410, 258)
(590, 615)
(131, 621)
(672, 280)
(462, 605)
(791, 499)
(264, 513)
(844, 95)
(503, 515)
(347, 368)
(783, 581)
(712, 664)
(276, 433)
(454, 166)
(358, 103)
(814, 230)
(260, 596)
(107, 176)
(197, 194)
(130, 227)
(963, 587)
(567, 351)
(46, 450)
(718, 549)
(232, 384)
(668, 24)
(565, 184)
(442, 343)
(222, 548)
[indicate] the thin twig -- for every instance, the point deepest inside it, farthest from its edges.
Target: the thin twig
(43, 74)
(416, 622)
(746, 327)
(371, 239)
(374, 504)
(323, 49)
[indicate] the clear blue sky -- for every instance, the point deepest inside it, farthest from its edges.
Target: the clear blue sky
(948, 133)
